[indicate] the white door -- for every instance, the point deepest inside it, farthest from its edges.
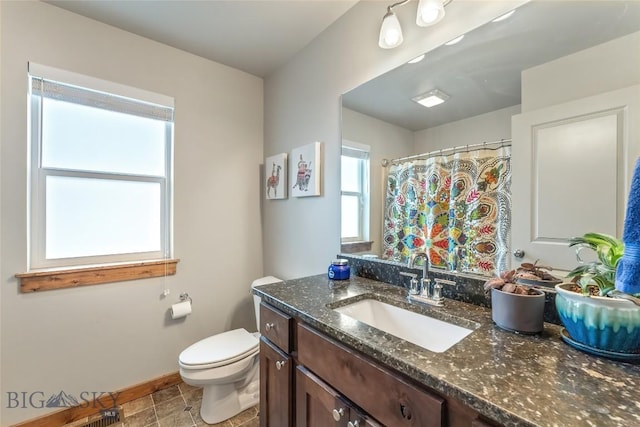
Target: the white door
(572, 164)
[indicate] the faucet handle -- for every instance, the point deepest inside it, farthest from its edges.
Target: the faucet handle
(437, 293)
(444, 282)
(412, 275)
(414, 287)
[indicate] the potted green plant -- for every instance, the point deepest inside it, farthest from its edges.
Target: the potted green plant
(515, 305)
(596, 316)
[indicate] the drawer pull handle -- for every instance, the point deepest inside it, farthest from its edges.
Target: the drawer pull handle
(338, 413)
(280, 364)
(355, 423)
(269, 326)
(405, 411)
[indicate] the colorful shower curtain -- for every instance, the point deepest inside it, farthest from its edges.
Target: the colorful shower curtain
(456, 208)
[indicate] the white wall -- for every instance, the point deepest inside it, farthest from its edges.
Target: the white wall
(387, 141)
(302, 104)
(1, 275)
(106, 337)
(585, 73)
(488, 127)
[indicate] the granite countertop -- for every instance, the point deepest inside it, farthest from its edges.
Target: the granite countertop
(516, 380)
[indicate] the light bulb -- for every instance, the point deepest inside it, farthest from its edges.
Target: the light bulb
(390, 32)
(429, 12)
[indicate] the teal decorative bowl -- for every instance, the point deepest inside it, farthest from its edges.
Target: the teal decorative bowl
(600, 322)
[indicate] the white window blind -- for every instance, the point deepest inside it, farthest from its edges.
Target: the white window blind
(101, 169)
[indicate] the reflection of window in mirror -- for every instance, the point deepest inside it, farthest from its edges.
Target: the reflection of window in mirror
(354, 184)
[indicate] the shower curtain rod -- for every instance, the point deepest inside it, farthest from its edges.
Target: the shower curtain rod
(502, 142)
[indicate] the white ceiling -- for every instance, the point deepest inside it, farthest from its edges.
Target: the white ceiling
(256, 36)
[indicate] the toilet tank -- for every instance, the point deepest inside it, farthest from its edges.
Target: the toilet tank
(256, 299)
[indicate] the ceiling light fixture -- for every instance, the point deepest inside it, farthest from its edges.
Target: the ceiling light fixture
(431, 99)
(505, 16)
(454, 41)
(416, 59)
(429, 12)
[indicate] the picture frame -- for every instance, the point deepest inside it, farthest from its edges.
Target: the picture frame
(276, 182)
(306, 167)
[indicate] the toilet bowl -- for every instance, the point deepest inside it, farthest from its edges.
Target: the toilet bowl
(227, 367)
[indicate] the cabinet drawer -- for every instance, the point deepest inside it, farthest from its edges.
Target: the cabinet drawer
(378, 391)
(276, 326)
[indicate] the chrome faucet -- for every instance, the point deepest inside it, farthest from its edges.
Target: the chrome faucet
(426, 289)
(427, 296)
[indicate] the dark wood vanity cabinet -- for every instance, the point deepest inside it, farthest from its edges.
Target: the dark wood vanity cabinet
(311, 380)
(276, 368)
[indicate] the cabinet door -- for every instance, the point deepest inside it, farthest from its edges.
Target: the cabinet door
(571, 168)
(318, 405)
(276, 374)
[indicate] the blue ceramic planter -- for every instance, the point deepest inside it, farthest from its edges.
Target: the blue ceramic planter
(603, 323)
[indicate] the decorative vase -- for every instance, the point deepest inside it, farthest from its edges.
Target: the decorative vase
(518, 313)
(602, 323)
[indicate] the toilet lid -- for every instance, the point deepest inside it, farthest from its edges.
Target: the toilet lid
(220, 349)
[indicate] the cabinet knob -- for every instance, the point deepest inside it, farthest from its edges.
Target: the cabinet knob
(269, 326)
(338, 413)
(355, 423)
(280, 364)
(518, 253)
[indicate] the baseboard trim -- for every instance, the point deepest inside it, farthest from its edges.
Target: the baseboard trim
(69, 415)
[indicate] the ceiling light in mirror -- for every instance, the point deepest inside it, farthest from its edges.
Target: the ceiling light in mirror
(431, 98)
(454, 41)
(416, 59)
(505, 16)
(429, 12)
(390, 31)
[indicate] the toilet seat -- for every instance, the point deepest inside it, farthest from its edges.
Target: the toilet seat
(219, 350)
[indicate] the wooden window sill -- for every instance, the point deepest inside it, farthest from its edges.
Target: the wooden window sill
(45, 280)
(353, 247)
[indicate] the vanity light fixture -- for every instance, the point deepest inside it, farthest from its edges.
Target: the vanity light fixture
(431, 99)
(390, 31)
(429, 12)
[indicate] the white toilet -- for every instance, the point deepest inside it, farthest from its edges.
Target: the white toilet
(227, 367)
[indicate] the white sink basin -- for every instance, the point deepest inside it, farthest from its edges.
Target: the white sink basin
(433, 334)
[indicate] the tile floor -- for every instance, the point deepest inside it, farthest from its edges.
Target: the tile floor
(176, 406)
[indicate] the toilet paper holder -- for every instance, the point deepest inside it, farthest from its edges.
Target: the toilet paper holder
(185, 297)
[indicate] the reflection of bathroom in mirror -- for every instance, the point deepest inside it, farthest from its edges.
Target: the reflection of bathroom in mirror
(556, 86)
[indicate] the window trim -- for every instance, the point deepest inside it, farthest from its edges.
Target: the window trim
(45, 280)
(37, 174)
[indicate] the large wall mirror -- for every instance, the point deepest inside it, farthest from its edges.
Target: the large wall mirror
(557, 83)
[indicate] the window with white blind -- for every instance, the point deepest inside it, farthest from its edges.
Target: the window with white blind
(101, 168)
(354, 193)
